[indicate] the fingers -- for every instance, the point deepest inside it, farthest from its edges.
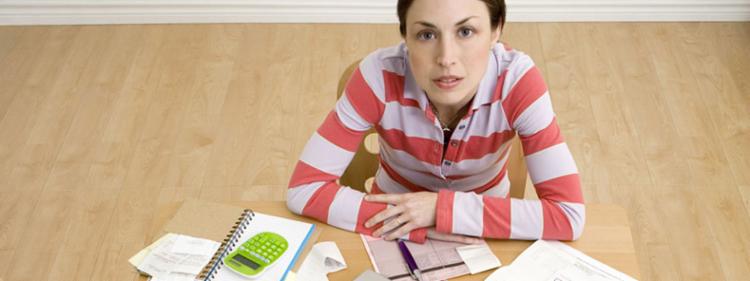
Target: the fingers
(391, 225)
(385, 198)
(383, 215)
(400, 232)
(471, 240)
(454, 237)
(408, 212)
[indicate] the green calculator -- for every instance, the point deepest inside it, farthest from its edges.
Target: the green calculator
(257, 253)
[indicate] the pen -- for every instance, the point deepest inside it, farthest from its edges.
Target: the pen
(413, 269)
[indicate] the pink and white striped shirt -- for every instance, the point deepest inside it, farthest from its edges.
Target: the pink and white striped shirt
(471, 175)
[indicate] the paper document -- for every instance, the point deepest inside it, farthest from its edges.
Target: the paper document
(324, 258)
(478, 257)
(437, 260)
(178, 257)
(369, 275)
(136, 259)
(291, 276)
(553, 260)
(174, 277)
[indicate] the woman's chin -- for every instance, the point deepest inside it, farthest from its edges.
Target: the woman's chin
(445, 98)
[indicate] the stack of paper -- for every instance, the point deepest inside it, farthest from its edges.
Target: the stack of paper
(174, 257)
(437, 260)
(553, 260)
(478, 257)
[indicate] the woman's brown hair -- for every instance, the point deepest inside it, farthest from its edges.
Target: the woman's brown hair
(495, 7)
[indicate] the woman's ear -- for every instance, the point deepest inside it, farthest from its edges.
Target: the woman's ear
(496, 34)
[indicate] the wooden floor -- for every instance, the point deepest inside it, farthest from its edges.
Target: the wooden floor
(101, 124)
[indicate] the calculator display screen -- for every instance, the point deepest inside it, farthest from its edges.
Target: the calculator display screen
(246, 261)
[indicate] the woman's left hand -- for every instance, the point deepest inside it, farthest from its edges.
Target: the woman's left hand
(410, 211)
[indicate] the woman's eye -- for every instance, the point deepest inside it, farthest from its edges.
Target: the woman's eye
(426, 35)
(465, 32)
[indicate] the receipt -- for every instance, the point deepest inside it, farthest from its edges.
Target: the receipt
(138, 258)
(174, 276)
(324, 258)
(478, 257)
(184, 244)
(290, 276)
(178, 257)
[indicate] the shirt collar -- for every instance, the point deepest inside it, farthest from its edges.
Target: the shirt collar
(488, 84)
(411, 88)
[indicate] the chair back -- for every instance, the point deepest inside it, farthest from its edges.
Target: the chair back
(359, 174)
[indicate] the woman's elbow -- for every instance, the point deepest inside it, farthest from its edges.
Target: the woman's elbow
(577, 217)
(293, 202)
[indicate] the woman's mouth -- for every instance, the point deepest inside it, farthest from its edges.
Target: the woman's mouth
(447, 82)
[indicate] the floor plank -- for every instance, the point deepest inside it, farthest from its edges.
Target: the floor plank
(100, 125)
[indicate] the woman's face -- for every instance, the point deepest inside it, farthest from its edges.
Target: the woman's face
(449, 42)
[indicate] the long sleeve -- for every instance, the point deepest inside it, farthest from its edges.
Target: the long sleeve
(313, 188)
(559, 213)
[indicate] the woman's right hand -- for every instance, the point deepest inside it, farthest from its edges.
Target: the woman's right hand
(433, 234)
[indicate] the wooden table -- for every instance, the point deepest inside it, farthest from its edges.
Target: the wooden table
(606, 238)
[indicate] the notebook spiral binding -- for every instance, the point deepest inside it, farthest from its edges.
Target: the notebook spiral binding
(227, 246)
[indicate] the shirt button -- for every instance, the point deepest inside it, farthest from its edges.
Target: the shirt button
(447, 163)
(454, 143)
(461, 127)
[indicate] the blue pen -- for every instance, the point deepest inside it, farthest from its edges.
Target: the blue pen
(413, 269)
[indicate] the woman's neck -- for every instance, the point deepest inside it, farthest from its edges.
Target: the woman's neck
(449, 115)
(446, 112)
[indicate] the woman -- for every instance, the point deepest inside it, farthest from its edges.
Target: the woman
(445, 104)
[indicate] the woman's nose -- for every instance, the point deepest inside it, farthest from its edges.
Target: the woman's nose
(446, 53)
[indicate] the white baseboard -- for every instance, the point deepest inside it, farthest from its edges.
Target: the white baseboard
(295, 11)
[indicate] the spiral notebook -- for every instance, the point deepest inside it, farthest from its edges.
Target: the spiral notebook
(296, 233)
(232, 226)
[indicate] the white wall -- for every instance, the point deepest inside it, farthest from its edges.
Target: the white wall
(367, 11)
